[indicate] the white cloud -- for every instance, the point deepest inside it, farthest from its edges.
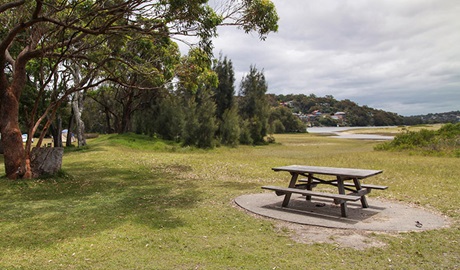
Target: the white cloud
(401, 56)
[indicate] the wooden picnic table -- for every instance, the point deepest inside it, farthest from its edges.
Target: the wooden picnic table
(305, 186)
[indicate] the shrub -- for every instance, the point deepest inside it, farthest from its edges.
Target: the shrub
(445, 141)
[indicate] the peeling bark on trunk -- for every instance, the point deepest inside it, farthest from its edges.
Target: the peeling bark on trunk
(16, 165)
(16, 157)
(77, 106)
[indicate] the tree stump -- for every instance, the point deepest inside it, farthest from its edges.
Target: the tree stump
(46, 161)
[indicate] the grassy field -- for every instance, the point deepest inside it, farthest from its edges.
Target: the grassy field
(128, 202)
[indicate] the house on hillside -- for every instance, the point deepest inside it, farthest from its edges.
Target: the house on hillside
(339, 117)
(314, 115)
(301, 116)
(289, 104)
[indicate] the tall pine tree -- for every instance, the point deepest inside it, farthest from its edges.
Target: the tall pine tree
(224, 93)
(226, 109)
(254, 107)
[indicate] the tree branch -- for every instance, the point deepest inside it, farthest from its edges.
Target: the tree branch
(10, 5)
(38, 9)
(9, 58)
(14, 32)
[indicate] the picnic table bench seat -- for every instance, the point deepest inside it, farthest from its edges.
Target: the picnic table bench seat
(337, 197)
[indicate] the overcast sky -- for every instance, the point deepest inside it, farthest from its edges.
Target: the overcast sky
(401, 56)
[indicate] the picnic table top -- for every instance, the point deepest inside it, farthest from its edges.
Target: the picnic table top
(346, 172)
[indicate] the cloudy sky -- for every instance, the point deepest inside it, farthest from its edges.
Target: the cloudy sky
(399, 56)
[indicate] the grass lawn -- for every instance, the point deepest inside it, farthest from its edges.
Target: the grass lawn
(128, 202)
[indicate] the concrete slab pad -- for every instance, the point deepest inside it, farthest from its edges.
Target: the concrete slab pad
(380, 216)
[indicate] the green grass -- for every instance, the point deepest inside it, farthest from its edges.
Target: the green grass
(133, 202)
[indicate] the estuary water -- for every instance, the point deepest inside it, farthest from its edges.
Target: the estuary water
(341, 133)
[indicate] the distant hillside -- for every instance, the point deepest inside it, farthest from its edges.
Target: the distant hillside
(433, 118)
(327, 111)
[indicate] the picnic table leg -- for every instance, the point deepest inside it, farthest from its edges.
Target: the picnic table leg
(363, 197)
(343, 204)
(292, 183)
(309, 186)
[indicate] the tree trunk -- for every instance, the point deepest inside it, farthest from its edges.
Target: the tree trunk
(57, 132)
(68, 140)
(126, 123)
(107, 119)
(127, 112)
(16, 158)
(77, 106)
(17, 164)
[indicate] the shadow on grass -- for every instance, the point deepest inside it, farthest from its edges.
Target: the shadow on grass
(42, 212)
(239, 185)
(68, 150)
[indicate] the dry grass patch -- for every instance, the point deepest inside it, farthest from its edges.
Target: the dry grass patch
(392, 131)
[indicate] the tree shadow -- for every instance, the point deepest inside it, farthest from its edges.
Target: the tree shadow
(39, 213)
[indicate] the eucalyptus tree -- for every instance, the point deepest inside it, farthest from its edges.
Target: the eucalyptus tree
(79, 32)
(155, 61)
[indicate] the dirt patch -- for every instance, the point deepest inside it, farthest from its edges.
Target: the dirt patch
(306, 234)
